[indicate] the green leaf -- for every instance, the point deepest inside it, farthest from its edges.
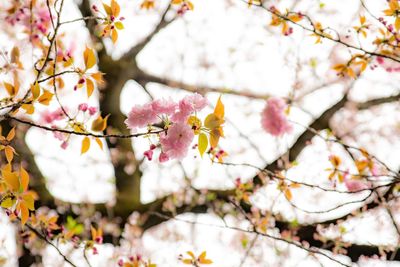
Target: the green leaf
(203, 143)
(119, 25)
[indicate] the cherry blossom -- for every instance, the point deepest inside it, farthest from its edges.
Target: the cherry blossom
(355, 185)
(141, 116)
(164, 106)
(273, 118)
(188, 105)
(176, 141)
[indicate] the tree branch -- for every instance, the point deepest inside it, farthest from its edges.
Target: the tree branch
(144, 78)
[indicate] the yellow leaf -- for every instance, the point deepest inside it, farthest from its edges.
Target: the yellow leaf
(35, 89)
(351, 73)
(203, 260)
(190, 5)
(288, 194)
(29, 108)
(187, 261)
(212, 121)
(100, 143)
(85, 145)
(215, 134)
(100, 124)
(24, 179)
(45, 98)
(203, 255)
(98, 76)
(11, 89)
(397, 23)
(203, 143)
(29, 202)
(115, 9)
(89, 58)
(11, 179)
(195, 124)
(11, 134)
(362, 19)
(219, 110)
(89, 87)
(9, 151)
(15, 55)
(24, 213)
(114, 36)
(79, 127)
(119, 25)
(7, 203)
(206, 261)
(107, 8)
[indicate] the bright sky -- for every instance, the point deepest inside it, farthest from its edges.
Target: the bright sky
(243, 53)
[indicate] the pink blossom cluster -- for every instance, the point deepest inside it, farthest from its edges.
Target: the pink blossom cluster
(49, 117)
(388, 65)
(273, 117)
(85, 107)
(355, 185)
(174, 143)
(37, 24)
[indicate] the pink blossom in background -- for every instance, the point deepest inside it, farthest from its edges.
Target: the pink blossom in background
(141, 116)
(388, 65)
(176, 141)
(375, 170)
(273, 118)
(51, 116)
(164, 106)
(356, 185)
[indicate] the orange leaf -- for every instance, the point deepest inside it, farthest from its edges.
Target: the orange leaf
(85, 145)
(89, 58)
(11, 134)
(29, 201)
(114, 36)
(24, 178)
(215, 134)
(100, 124)
(9, 151)
(29, 108)
(11, 89)
(11, 179)
(35, 90)
(24, 213)
(89, 87)
(107, 8)
(115, 9)
(288, 194)
(99, 142)
(219, 110)
(45, 98)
